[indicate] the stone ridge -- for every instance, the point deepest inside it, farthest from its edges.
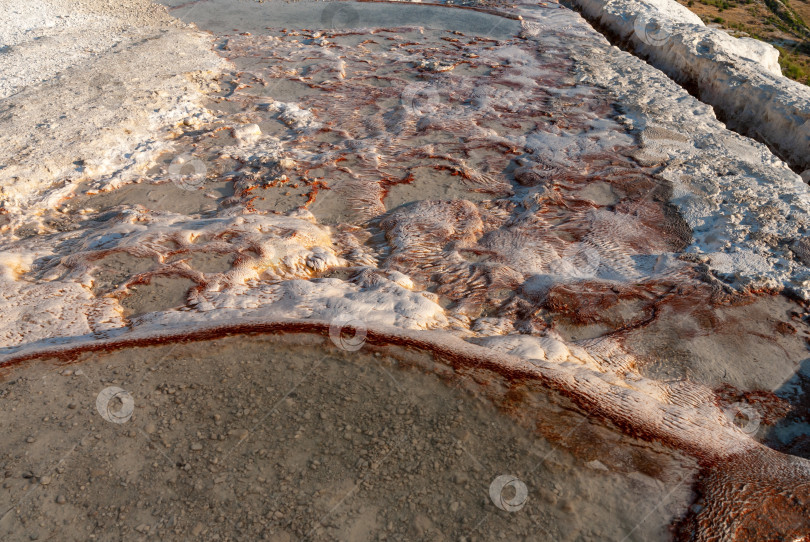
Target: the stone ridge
(739, 77)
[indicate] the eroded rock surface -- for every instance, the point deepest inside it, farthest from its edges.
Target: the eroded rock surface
(533, 199)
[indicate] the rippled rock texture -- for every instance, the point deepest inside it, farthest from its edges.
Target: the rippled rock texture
(526, 199)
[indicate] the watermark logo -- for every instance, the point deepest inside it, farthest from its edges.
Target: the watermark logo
(187, 172)
(110, 88)
(744, 416)
(420, 98)
(652, 31)
(508, 493)
(102, 90)
(347, 332)
(339, 15)
(578, 261)
(115, 404)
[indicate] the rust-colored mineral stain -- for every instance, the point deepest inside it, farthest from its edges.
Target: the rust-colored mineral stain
(754, 493)
(538, 254)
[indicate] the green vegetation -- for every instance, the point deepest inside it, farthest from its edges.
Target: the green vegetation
(787, 16)
(794, 65)
(721, 4)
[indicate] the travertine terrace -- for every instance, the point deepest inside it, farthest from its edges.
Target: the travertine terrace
(489, 193)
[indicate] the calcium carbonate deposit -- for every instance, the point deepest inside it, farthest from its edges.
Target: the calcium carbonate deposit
(390, 271)
(740, 77)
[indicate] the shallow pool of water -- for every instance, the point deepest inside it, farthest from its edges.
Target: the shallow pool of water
(226, 16)
(290, 438)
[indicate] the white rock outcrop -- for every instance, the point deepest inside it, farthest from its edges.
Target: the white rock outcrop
(739, 77)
